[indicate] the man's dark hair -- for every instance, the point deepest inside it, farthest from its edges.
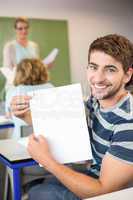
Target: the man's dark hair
(118, 47)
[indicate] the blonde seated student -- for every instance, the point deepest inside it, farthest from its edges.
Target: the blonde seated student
(31, 75)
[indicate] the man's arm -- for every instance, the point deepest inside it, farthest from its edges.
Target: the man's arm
(114, 173)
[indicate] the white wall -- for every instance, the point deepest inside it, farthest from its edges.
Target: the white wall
(87, 20)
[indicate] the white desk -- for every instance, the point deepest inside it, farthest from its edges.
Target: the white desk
(126, 194)
(13, 151)
(15, 156)
(5, 122)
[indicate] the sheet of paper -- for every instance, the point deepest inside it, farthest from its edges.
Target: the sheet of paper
(51, 57)
(59, 114)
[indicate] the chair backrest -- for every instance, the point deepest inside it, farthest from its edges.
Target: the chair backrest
(26, 131)
(2, 107)
(2, 86)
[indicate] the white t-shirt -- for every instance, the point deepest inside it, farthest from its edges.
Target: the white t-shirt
(13, 53)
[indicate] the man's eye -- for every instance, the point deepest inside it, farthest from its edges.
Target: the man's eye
(92, 67)
(111, 70)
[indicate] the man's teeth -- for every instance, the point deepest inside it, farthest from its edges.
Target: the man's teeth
(100, 86)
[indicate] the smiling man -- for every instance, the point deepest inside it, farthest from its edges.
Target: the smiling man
(109, 72)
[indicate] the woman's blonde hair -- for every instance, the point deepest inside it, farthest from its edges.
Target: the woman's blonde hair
(22, 20)
(31, 72)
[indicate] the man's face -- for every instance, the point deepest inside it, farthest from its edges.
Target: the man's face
(106, 76)
(22, 30)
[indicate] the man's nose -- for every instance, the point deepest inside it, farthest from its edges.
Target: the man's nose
(99, 76)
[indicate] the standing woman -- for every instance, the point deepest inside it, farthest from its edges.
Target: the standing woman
(20, 48)
(17, 50)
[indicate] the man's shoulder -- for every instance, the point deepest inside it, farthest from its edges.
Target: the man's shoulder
(126, 108)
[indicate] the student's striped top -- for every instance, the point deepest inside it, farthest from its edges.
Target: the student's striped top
(111, 131)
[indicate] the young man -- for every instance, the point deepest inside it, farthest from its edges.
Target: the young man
(109, 71)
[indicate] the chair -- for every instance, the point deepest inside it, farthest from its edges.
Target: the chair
(2, 86)
(4, 134)
(35, 172)
(28, 174)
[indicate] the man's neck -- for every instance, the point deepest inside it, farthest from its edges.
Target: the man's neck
(108, 103)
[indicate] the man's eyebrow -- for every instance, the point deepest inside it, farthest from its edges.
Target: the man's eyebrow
(110, 66)
(91, 63)
(106, 66)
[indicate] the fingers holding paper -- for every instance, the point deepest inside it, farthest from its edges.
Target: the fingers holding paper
(20, 107)
(39, 150)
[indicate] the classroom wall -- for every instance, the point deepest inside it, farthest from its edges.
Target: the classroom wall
(87, 19)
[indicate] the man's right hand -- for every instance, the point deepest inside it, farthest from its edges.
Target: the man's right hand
(20, 108)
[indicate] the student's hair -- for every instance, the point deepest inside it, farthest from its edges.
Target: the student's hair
(118, 47)
(21, 19)
(31, 72)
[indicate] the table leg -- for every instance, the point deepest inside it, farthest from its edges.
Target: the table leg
(16, 184)
(6, 185)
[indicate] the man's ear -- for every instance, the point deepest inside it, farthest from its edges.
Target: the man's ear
(128, 74)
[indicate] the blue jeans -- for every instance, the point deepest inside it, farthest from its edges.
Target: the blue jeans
(51, 189)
